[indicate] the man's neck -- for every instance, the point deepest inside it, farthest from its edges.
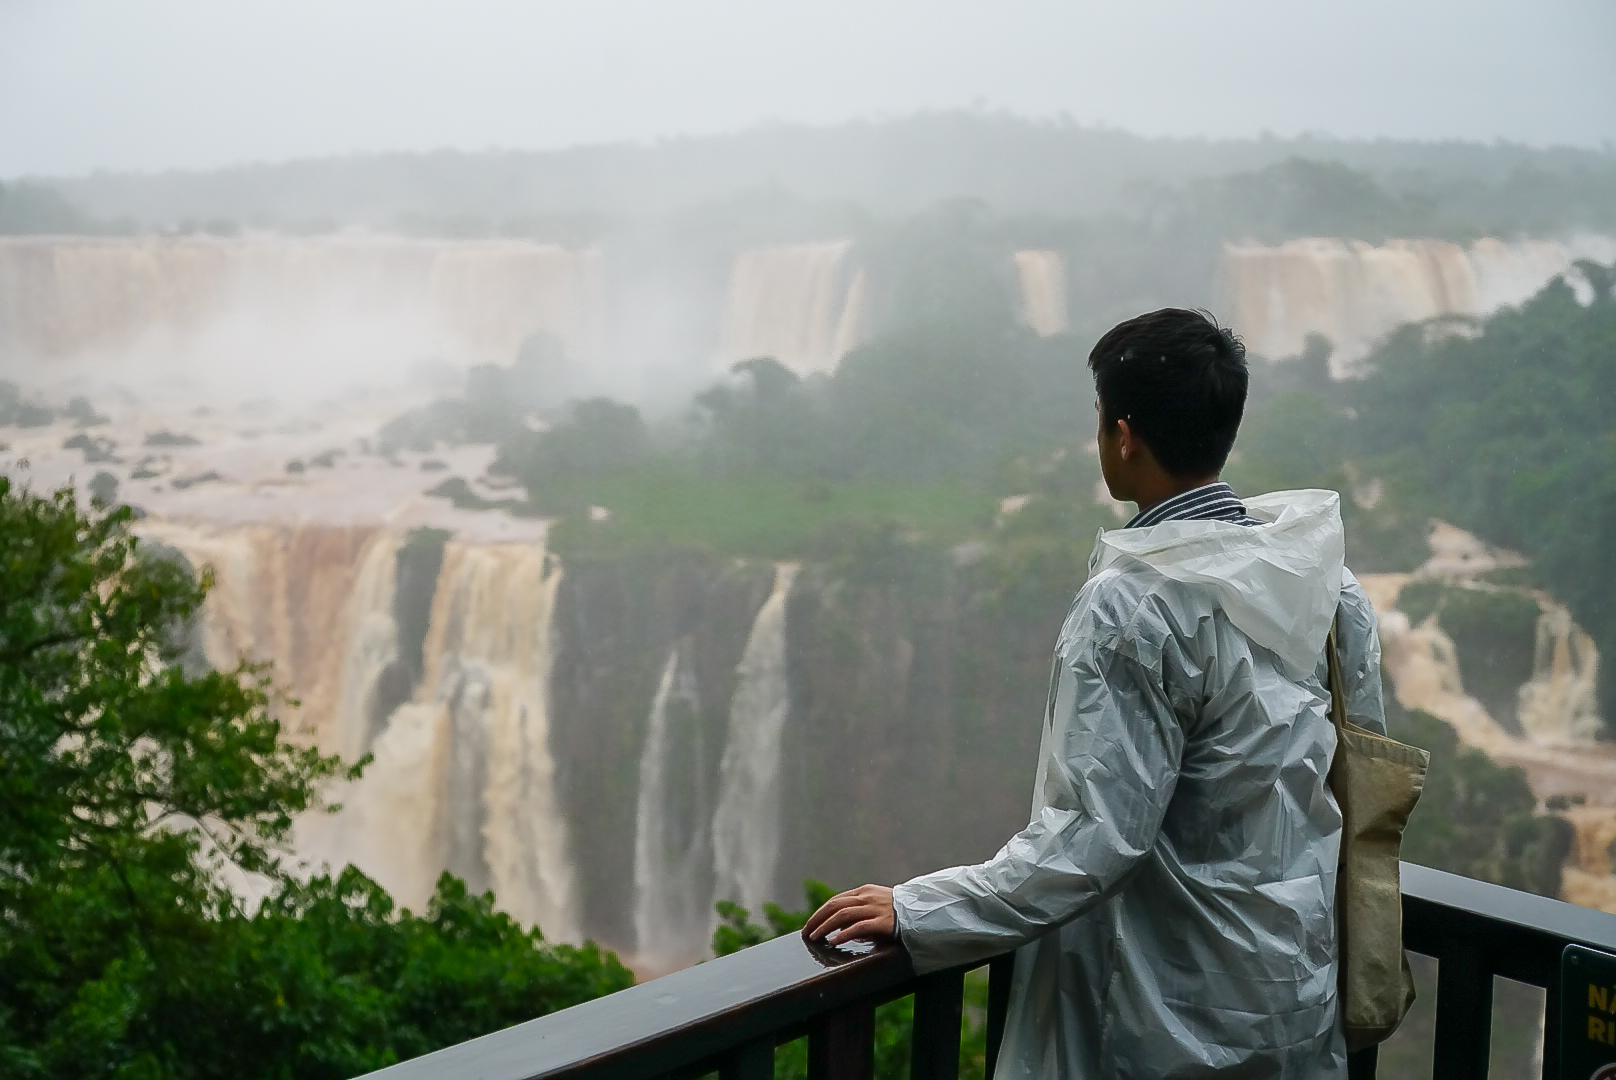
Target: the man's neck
(1168, 487)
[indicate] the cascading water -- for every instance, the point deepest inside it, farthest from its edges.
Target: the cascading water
(1042, 277)
(793, 303)
(672, 852)
(64, 297)
(314, 600)
(1354, 293)
(463, 777)
(372, 649)
(1559, 705)
(392, 823)
(488, 657)
(746, 823)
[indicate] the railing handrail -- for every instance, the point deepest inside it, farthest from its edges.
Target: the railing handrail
(773, 990)
(682, 1018)
(1524, 933)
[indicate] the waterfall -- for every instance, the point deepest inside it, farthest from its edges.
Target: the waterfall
(315, 600)
(372, 647)
(488, 655)
(672, 855)
(464, 777)
(850, 326)
(746, 823)
(1355, 293)
(494, 294)
(1042, 276)
(1559, 705)
(278, 297)
(392, 821)
(794, 304)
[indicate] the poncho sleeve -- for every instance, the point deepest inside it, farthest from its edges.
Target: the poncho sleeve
(1110, 765)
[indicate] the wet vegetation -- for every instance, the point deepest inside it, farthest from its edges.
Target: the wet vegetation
(140, 803)
(942, 488)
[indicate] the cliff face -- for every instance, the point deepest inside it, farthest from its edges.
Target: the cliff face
(616, 743)
(1506, 667)
(729, 729)
(624, 629)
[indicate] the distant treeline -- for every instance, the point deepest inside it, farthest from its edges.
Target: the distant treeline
(1503, 427)
(1017, 166)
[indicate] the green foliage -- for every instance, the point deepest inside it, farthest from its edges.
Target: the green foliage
(34, 208)
(946, 268)
(130, 789)
(1478, 818)
(906, 435)
(754, 516)
(1037, 556)
(1511, 434)
(498, 402)
(894, 1021)
(104, 737)
(327, 979)
(1494, 632)
(1304, 197)
(762, 422)
(1294, 441)
(599, 438)
(736, 931)
(947, 399)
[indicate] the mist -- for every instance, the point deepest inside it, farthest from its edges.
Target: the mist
(662, 434)
(186, 84)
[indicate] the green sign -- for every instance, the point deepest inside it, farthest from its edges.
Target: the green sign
(1587, 1014)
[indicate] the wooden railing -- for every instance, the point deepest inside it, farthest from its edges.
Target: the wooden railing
(729, 1015)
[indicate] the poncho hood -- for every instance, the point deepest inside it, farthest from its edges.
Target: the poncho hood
(1279, 582)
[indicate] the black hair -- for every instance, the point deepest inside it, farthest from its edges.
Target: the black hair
(1179, 379)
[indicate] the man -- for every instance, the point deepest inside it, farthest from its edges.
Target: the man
(1172, 898)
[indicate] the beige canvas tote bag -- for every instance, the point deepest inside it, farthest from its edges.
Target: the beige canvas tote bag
(1376, 781)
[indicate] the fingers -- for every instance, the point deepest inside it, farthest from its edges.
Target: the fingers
(863, 912)
(835, 904)
(841, 919)
(813, 930)
(869, 929)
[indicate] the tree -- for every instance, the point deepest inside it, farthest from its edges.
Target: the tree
(1510, 431)
(130, 789)
(35, 208)
(1478, 818)
(598, 437)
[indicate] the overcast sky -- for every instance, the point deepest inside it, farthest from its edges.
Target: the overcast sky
(154, 84)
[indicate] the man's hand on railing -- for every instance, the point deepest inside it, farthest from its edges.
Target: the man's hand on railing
(862, 914)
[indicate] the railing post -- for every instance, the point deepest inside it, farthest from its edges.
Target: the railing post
(1551, 1029)
(749, 1061)
(1001, 970)
(841, 1045)
(939, 1006)
(1464, 1014)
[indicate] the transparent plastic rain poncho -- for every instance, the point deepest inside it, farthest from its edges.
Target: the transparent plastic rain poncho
(1172, 897)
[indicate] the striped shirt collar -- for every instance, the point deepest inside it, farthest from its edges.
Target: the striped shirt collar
(1209, 502)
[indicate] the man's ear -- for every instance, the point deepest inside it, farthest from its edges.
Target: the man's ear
(1128, 441)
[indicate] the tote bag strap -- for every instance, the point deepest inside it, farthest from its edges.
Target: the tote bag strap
(1336, 682)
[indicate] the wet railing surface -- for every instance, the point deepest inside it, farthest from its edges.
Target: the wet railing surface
(729, 1015)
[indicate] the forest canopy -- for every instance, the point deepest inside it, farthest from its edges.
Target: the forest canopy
(133, 792)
